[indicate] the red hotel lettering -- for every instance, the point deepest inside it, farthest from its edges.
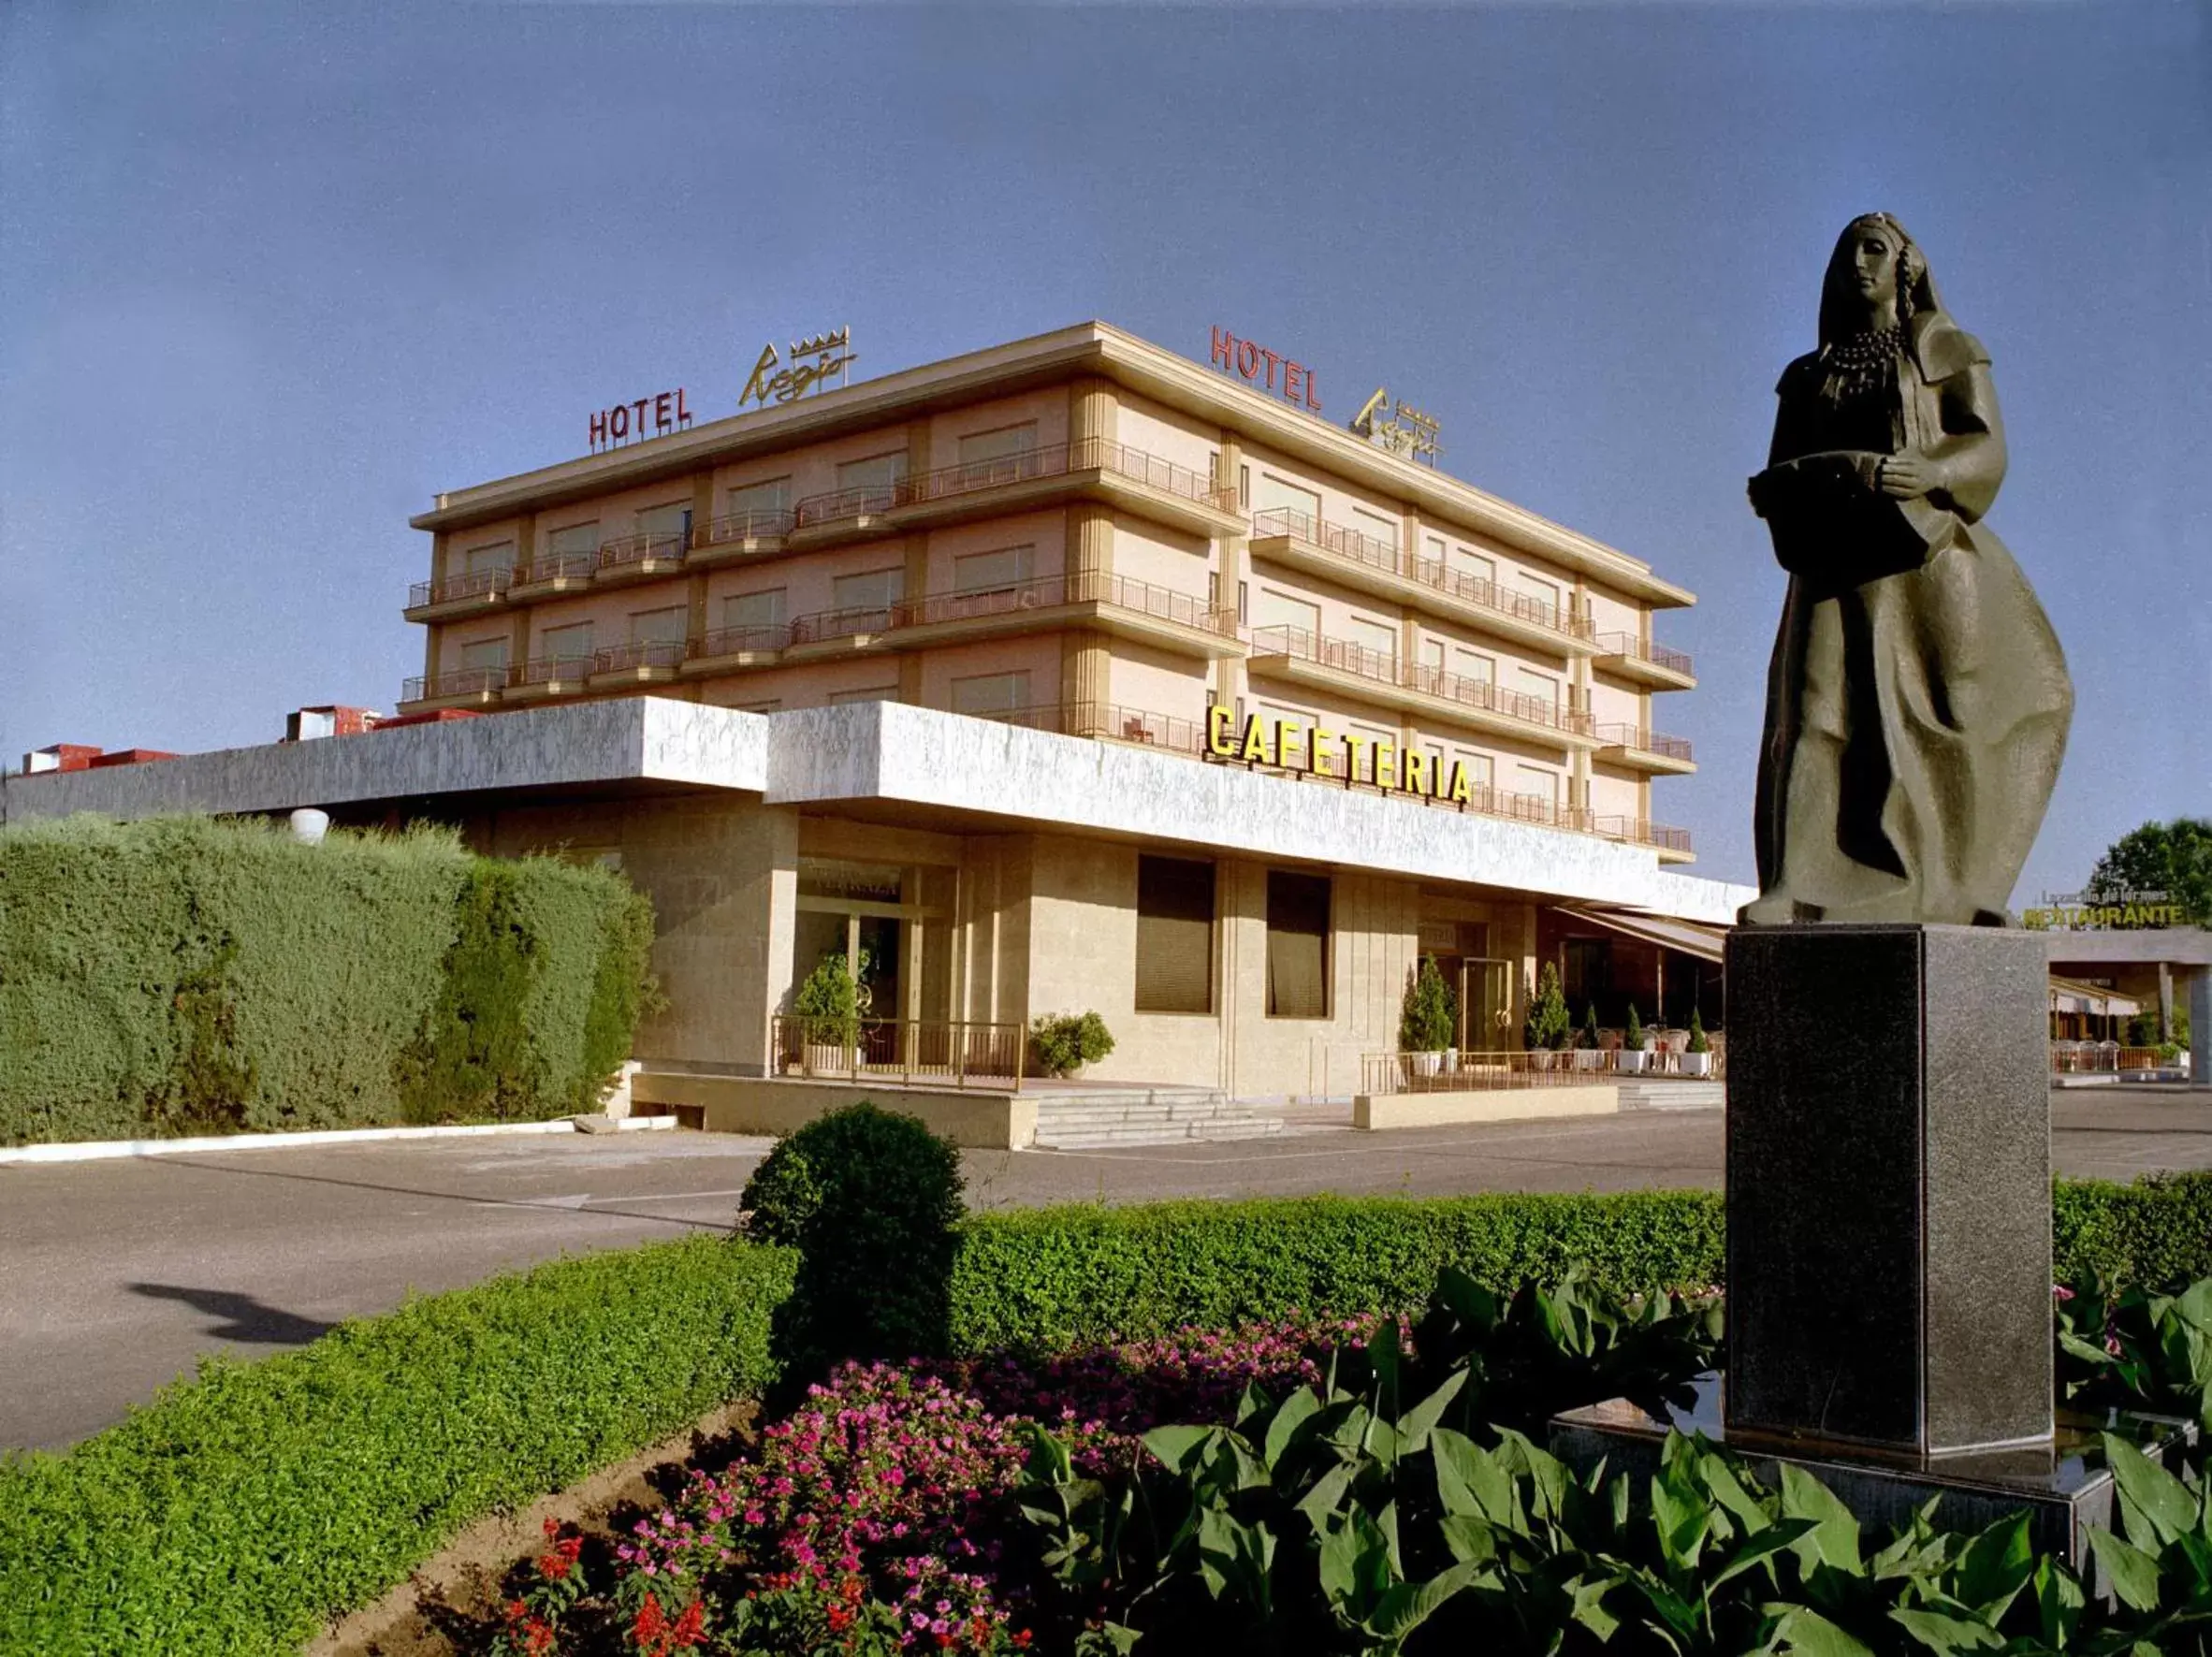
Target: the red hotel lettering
(1254, 361)
(669, 411)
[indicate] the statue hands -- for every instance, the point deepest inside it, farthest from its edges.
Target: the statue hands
(1909, 475)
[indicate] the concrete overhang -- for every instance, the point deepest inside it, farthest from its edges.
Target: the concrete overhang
(2175, 946)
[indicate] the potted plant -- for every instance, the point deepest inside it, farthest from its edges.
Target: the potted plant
(1426, 1018)
(1547, 1028)
(1698, 1056)
(1590, 1055)
(1061, 1043)
(828, 1008)
(1636, 1047)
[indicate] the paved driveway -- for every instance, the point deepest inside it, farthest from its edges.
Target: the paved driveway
(120, 1275)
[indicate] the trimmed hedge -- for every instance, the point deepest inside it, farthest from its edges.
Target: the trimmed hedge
(184, 975)
(240, 1511)
(2156, 1231)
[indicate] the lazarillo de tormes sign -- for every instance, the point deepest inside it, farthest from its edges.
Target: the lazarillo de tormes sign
(774, 381)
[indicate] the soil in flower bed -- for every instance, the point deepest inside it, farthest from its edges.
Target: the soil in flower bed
(451, 1606)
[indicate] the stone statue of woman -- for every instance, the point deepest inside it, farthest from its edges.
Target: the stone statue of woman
(1917, 704)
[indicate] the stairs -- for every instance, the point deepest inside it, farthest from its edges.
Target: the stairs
(1649, 1093)
(1145, 1116)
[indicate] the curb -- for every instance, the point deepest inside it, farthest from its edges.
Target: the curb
(107, 1150)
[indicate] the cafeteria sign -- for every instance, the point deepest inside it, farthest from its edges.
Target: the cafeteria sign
(1292, 745)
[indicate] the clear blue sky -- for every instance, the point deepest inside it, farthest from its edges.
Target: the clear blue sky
(271, 278)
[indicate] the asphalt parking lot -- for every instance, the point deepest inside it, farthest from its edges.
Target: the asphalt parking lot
(121, 1274)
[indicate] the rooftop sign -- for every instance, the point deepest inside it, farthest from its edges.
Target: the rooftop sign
(627, 422)
(777, 381)
(1258, 363)
(1412, 434)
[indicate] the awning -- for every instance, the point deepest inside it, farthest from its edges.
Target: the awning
(2068, 996)
(1686, 936)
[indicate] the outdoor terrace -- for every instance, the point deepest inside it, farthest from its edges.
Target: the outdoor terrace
(1641, 749)
(1313, 659)
(1625, 656)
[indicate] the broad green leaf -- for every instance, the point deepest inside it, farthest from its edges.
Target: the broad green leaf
(1250, 1402)
(1997, 1566)
(1298, 1409)
(1320, 1502)
(1780, 1534)
(1470, 1480)
(1470, 1538)
(1414, 1425)
(1939, 1631)
(1406, 1606)
(1804, 1629)
(1836, 1541)
(1589, 1610)
(2155, 1506)
(2058, 1601)
(1682, 1518)
(2134, 1573)
(1173, 1444)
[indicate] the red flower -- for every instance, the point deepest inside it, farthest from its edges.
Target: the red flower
(552, 1527)
(569, 1547)
(840, 1619)
(554, 1566)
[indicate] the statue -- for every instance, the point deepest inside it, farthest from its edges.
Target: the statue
(1918, 703)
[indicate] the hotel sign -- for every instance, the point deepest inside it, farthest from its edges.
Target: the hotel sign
(778, 382)
(1260, 365)
(1412, 434)
(628, 422)
(1294, 745)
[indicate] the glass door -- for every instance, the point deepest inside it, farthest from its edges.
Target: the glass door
(1486, 1006)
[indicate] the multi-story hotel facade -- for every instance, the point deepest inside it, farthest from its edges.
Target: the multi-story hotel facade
(1179, 703)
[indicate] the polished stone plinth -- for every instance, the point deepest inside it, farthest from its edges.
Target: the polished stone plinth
(1889, 1189)
(2064, 1486)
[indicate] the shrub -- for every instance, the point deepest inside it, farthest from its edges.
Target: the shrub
(1700, 1041)
(829, 1001)
(240, 1511)
(1590, 1036)
(2156, 1231)
(1546, 1024)
(871, 1200)
(1064, 1042)
(1634, 1037)
(1427, 1018)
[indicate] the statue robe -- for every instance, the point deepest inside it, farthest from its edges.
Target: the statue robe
(1914, 720)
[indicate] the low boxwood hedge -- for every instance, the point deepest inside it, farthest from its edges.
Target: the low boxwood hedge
(240, 1511)
(2155, 1230)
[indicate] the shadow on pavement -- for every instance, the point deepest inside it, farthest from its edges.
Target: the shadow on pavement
(246, 1318)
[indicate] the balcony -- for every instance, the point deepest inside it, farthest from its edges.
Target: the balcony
(1655, 667)
(1299, 657)
(471, 687)
(549, 675)
(732, 649)
(1090, 469)
(456, 596)
(1640, 749)
(554, 574)
(1345, 556)
(1112, 604)
(639, 557)
(649, 662)
(843, 515)
(1672, 844)
(739, 536)
(1107, 722)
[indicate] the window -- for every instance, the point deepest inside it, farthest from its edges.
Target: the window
(753, 609)
(1544, 593)
(1433, 654)
(1174, 936)
(484, 655)
(878, 471)
(478, 561)
(567, 644)
(1466, 561)
(1534, 779)
(673, 518)
(1436, 547)
(872, 693)
(992, 572)
(768, 497)
(1375, 527)
(1379, 636)
(1278, 608)
(574, 538)
(872, 589)
(991, 693)
(1539, 686)
(658, 627)
(1297, 945)
(1472, 665)
(996, 445)
(1279, 493)
(1478, 766)
(1243, 485)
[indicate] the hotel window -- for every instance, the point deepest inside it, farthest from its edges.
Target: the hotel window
(672, 518)
(658, 627)
(1466, 561)
(571, 538)
(1534, 779)
(478, 561)
(753, 609)
(872, 589)
(1378, 636)
(1243, 485)
(484, 655)
(1542, 591)
(993, 571)
(878, 471)
(1539, 686)
(1433, 654)
(1472, 665)
(1436, 547)
(566, 643)
(996, 445)
(1278, 608)
(1174, 936)
(1297, 945)
(990, 693)
(872, 693)
(769, 498)
(1478, 768)
(1280, 494)
(1375, 527)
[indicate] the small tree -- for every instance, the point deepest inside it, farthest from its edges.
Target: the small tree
(1635, 1030)
(1546, 1024)
(1064, 1042)
(829, 1001)
(1428, 1017)
(1697, 1038)
(1589, 1024)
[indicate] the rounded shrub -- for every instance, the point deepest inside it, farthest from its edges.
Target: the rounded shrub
(871, 1200)
(1063, 1042)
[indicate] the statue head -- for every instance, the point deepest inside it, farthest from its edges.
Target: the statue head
(1874, 261)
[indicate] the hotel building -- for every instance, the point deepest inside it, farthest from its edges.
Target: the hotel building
(1071, 674)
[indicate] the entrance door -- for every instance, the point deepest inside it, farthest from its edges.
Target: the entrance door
(1486, 1006)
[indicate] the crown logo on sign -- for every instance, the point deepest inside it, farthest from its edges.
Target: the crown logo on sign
(835, 341)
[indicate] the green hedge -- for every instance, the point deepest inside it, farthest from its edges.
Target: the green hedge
(184, 975)
(2157, 1230)
(239, 1512)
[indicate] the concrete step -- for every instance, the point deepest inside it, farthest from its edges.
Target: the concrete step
(1651, 1094)
(1139, 1112)
(1147, 1118)
(1141, 1133)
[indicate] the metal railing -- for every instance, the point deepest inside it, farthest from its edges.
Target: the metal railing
(558, 566)
(1384, 668)
(1511, 1069)
(736, 641)
(971, 476)
(476, 584)
(1387, 555)
(643, 653)
(923, 1052)
(549, 670)
(850, 622)
(1078, 587)
(1643, 740)
(1628, 643)
(1108, 720)
(862, 500)
(1642, 831)
(660, 548)
(2106, 1058)
(467, 681)
(744, 526)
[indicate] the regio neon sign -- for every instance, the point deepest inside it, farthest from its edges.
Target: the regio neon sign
(832, 353)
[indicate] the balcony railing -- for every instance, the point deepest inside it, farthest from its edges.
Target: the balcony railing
(1028, 465)
(906, 1050)
(547, 670)
(558, 566)
(848, 622)
(738, 641)
(1105, 720)
(1644, 741)
(866, 501)
(972, 476)
(467, 681)
(1076, 588)
(658, 547)
(1385, 669)
(1642, 831)
(1511, 1069)
(1385, 556)
(743, 526)
(643, 653)
(2107, 1058)
(1628, 643)
(475, 584)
